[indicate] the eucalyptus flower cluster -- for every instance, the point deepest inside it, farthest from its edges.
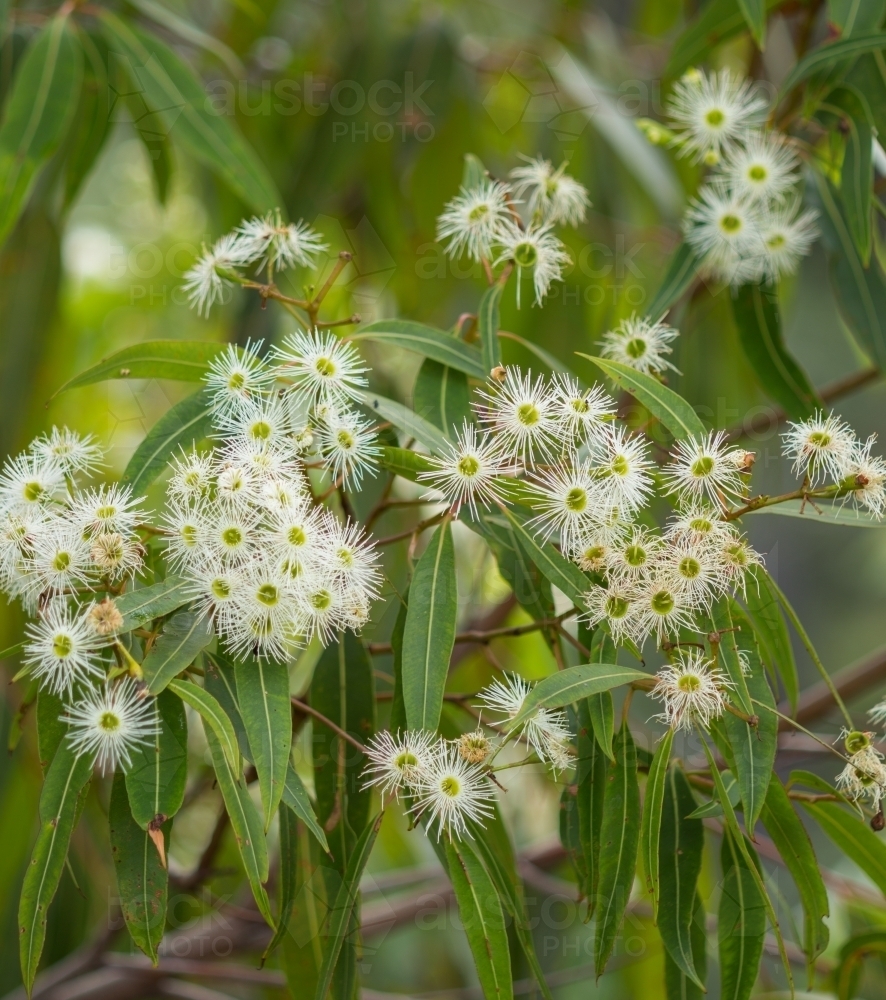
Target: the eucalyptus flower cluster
(265, 242)
(62, 544)
(270, 566)
(746, 224)
(485, 222)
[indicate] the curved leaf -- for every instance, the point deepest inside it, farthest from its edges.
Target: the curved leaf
(793, 843)
(39, 109)
(722, 622)
(552, 362)
(214, 715)
(488, 322)
(759, 330)
(681, 842)
(852, 954)
(619, 840)
(65, 780)
(181, 360)
(183, 637)
(407, 421)
(140, 607)
(836, 53)
(650, 827)
(589, 798)
(562, 573)
(741, 922)
(263, 699)
(441, 395)
(176, 97)
(717, 22)
(764, 610)
(754, 12)
(854, 838)
(156, 779)
(191, 34)
(678, 986)
(857, 172)
(295, 796)
(482, 919)
(180, 427)
(142, 879)
(429, 634)
(678, 279)
(828, 513)
(403, 462)
(672, 410)
(573, 684)
(344, 905)
(427, 341)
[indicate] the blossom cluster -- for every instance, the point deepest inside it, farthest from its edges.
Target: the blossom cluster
(485, 223)
(746, 224)
(448, 781)
(270, 566)
(264, 241)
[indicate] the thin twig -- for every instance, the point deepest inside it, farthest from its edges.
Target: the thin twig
(303, 706)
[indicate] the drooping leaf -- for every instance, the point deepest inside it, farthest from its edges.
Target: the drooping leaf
(573, 684)
(245, 822)
(854, 838)
(37, 113)
(681, 841)
(827, 513)
(482, 918)
(190, 33)
(600, 707)
(141, 606)
(741, 922)
(142, 880)
(263, 699)
(155, 782)
(408, 421)
(295, 797)
(213, 715)
(288, 877)
(793, 843)
(429, 634)
(427, 341)
(180, 427)
(51, 727)
(857, 172)
(764, 610)
(176, 97)
(344, 904)
(588, 806)
(650, 827)
(721, 619)
(677, 280)
(759, 329)
(868, 944)
(343, 690)
(619, 840)
(678, 986)
(672, 410)
(754, 12)
(398, 705)
(546, 358)
(92, 120)
(65, 780)
(488, 322)
(838, 53)
(716, 22)
(181, 360)
(182, 639)
(442, 396)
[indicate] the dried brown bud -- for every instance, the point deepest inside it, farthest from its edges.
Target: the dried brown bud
(499, 373)
(105, 618)
(474, 747)
(878, 821)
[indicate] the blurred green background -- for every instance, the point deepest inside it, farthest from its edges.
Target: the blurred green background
(363, 113)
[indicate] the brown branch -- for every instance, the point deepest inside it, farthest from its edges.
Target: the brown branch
(428, 522)
(303, 706)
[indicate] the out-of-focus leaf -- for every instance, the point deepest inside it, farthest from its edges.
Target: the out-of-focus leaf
(442, 396)
(288, 876)
(408, 421)
(759, 329)
(853, 837)
(677, 281)
(754, 12)
(67, 776)
(427, 341)
(302, 947)
(827, 513)
(763, 608)
(191, 34)
(263, 699)
(837, 53)
(859, 947)
(680, 845)
(678, 986)
(142, 880)
(672, 410)
(176, 97)
(181, 360)
(853, 17)
(857, 172)
(429, 634)
(156, 779)
(650, 827)
(343, 906)
(588, 807)
(741, 922)
(573, 684)
(619, 840)
(473, 173)
(180, 427)
(548, 359)
(793, 843)
(37, 114)
(214, 716)
(488, 322)
(482, 919)
(713, 808)
(141, 606)
(717, 22)
(245, 822)
(92, 121)
(343, 690)
(183, 637)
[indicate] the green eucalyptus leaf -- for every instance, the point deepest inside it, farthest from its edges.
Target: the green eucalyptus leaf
(573, 684)
(650, 827)
(427, 341)
(678, 279)
(140, 607)
(214, 716)
(590, 793)
(442, 396)
(853, 837)
(741, 922)
(488, 322)
(158, 773)
(182, 639)
(838, 53)
(408, 421)
(764, 610)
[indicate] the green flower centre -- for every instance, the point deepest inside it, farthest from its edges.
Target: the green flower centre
(321, 600)
(576, 500)
(730, 224)
(110, 722)
(701, 524)
(526, 255)
(662, 602)
(595, 553)
(261, 430)
(237, 381)
(689, 568)
(61, 561)
(106, 513)
(268, 595)
(776, 242)
(620, 465)
(450, 786)
(528, 414)
(715, 118)
(758, 173)
(689, 683)
(405, 759)
(345, 440)
(635, 555)
(33, 491)
(220, 588)
(580, 405)
(636, 347)
(188, 535)
(296, 536)
(820, 439)
(62, 646)
(478, 213)
(468, 466)
(193, 479)
(345, 556)
(856, 741)
(325, 367)
(616, 607)
(232, 537)
(702, 467)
